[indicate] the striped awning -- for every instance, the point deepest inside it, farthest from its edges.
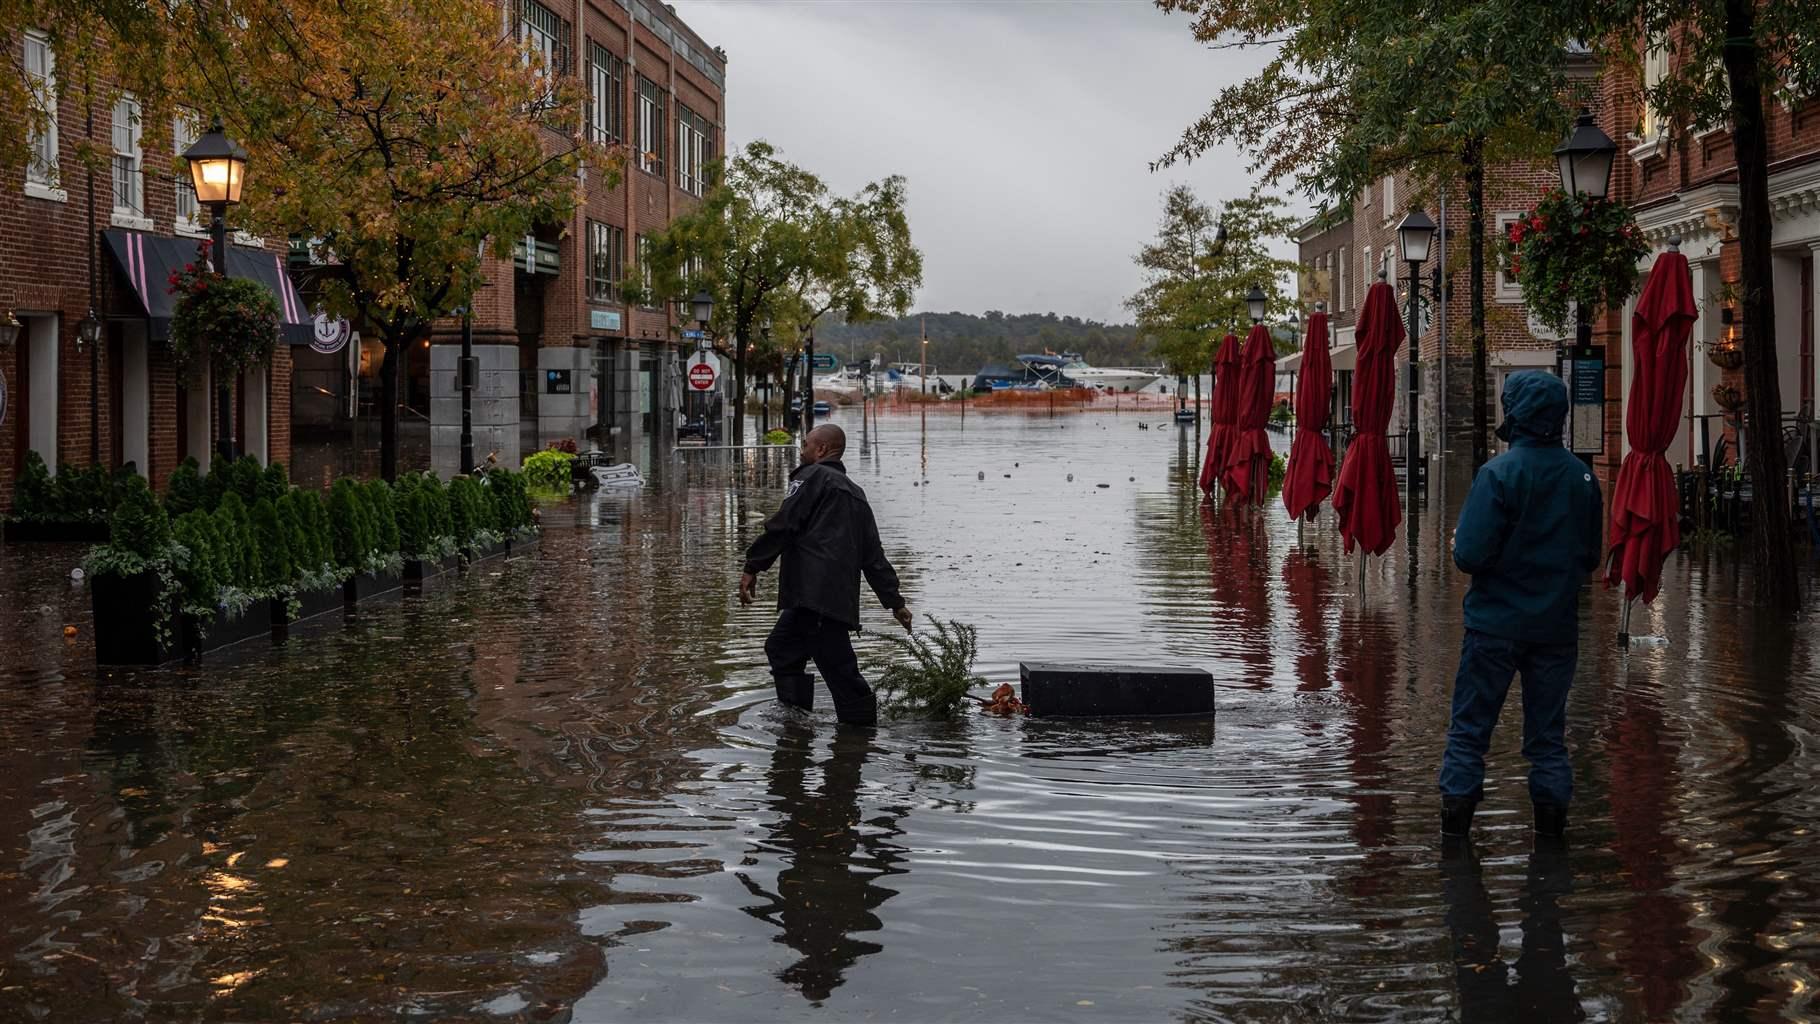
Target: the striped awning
(146, 261)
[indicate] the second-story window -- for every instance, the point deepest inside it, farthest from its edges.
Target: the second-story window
(544, 35)
(129, 177)
(606, 105)
(650, 139)
(606, 260)
(185, 130)
(41, 79)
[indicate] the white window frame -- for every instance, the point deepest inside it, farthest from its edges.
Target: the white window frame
(186, 128)
(1366, 267)
(1340, 268)
(650, 128)
(1390, 196)
(1651, 138)
(1506, 290)
(42, 173)
(127, 130)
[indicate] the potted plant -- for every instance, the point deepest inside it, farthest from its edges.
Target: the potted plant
(1573, 250)
(133, 583)
(1728, 397)
(936, 678)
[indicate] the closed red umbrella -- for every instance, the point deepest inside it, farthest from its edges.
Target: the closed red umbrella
(1645, 511)
(1310, 477)
(1365, 496)
(1225, 410)
(1247, 472)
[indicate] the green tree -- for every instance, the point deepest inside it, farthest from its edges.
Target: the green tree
(398, 135)
(770, 244)
(1358, 89)
(1198, 270)
(1727, 59)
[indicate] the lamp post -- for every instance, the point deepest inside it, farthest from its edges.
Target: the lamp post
(1415, 236)
(701, 307)
(1584, 162)
(764, 382)
(218, 170)
(1255, 304)
(9, 329)
(88, 332)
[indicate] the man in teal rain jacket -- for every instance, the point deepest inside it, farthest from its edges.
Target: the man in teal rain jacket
(1529, 536)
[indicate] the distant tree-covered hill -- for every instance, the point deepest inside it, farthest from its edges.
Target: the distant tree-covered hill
(964, 342)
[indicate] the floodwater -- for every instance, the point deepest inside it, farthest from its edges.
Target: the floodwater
(558, 789)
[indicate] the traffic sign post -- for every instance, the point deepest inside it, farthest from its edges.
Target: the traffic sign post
(701, 376)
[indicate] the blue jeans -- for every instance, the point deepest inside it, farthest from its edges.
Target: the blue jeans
(1487, 665)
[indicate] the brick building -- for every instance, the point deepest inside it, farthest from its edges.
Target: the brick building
(562, 356)
(126, 223)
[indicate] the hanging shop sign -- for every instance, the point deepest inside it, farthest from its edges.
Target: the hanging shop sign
(330, 334)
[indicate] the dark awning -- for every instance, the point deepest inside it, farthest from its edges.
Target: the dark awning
(146, 262)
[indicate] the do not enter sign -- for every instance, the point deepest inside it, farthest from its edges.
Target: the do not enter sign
(701, 376)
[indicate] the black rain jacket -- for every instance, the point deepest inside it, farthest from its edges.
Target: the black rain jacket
(826, 534)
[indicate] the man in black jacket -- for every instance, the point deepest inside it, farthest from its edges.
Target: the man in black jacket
(827, 537)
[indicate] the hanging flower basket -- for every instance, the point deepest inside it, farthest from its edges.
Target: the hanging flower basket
(1573, 250)
(230, 322)
(1728, 397)
(1728, 357)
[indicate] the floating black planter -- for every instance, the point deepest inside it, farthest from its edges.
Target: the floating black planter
(126, 620)
(254, 621)
(34, 533)
(1109, 691)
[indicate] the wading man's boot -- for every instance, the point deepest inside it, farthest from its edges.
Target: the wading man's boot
(797, 690)
(1551, 821)
(1456, 816)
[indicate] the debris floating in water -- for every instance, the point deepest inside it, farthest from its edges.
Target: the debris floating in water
(1102, 485)
(1071, 478)
(982, 474)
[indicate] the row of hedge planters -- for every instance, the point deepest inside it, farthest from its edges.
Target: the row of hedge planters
(73, 505)
(241, 553)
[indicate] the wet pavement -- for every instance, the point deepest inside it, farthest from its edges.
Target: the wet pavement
(557, 788)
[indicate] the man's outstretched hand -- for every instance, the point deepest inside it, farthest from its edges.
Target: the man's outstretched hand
(748, 588)
(904, 618)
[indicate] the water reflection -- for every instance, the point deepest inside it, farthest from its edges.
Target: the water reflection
(1538, 986)
(825, 899)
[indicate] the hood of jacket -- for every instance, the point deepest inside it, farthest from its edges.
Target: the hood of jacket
(1535, 409)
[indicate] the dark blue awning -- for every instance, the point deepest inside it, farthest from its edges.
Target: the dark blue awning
(146, 262)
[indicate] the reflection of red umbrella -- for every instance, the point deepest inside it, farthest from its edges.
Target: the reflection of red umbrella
(1225, 410)
(1310, 478)
(1645, 513)
(1247, 470)
(1366, 495)
(1305, 579)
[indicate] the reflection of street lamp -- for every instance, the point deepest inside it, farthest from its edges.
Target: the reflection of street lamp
(217, 171)
(1415, 236)
(1584, 161)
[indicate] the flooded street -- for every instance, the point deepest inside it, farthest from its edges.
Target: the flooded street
(558, 788)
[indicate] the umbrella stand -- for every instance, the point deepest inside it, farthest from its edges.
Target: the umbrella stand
(1624, 617)
(1362, 557)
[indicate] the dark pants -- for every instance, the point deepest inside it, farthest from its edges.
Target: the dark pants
(1487, 665)
(800, 635)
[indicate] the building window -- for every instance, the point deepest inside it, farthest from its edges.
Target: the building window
(185, 130)
(650, 127)
(606, 106)
(1390, 197)
(606, 260)
(1339, 270)
(694, 148)
(643, 245)
(545, 36)
(1507, 289)
(41, 79)
(1655, 69)
(129, 175)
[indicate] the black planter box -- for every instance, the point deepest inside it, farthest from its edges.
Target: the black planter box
(482, 554)
(254, 621)
(311, 603)
(126, 626)
(1067, 690)
(33, 533)
(418, 570)
(363, 586)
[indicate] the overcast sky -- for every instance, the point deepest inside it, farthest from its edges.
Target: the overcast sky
(1025, 129)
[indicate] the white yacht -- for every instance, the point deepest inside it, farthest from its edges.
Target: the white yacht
(1069, 370)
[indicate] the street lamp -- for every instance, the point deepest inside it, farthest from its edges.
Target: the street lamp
(1256, 303)
(703, 307)
(1584, 161)
(1585, 158)
(218, 170)
(88, 330)
(9, 329)
(1415, 236)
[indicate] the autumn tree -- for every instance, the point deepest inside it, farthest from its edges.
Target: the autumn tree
(1198, 270)
(1358, 89)
(398, 135)
(770, 243)
(98, 48)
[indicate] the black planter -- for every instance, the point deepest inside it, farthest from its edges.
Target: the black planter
(34, 533)
(310, 603)
(418, 570)
(363, 586)
(126, 620)
(481, 555)
(254, 621)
